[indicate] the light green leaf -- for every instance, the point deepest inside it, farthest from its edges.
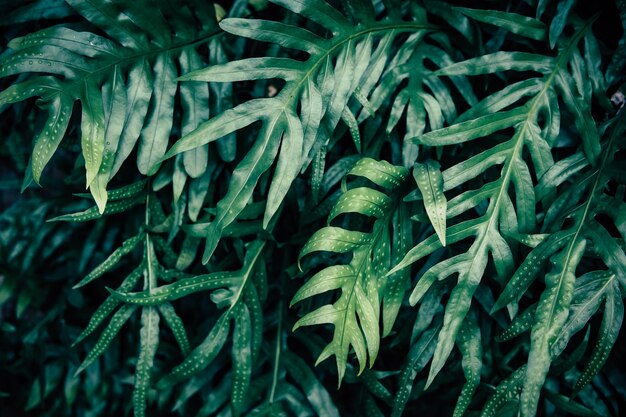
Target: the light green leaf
(139, 88)
(430, 183)
(287, 36)
(248, 69)
(334, 239)
(92, 134)
(115, 101)
(59, 112)
(156, 132)
(361, 200)
(194, 100)
(501, 99)
(287, 167)
(472, 129)
(380, 173)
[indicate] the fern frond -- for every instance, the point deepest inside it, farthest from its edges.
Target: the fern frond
(300, 119)
(125, 82)
(355, 314)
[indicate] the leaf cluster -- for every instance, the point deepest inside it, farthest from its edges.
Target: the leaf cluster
(432, 193)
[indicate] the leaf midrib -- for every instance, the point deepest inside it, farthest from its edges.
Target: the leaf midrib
(531, 114)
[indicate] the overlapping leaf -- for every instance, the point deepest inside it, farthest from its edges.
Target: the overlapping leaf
(355, 314)
(124, 80)
(300, 119)
(535, 124)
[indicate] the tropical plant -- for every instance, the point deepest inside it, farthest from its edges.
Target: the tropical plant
(374, 181)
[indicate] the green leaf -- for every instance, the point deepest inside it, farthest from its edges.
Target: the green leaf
(551, 314)
(558, 23)
(380, 173)
(155, 133)
(569, 406)
(419, 355)
(362, 200)
(180, 288)
(470, 272)
(583, 118)
(92, 135)
(608, 333)
(520, 324)
(472, 129)
(500, 61)
(334, 239)
(430, 183)
(242, 358)
(94, 213)
(248, 69)
(117, 321)
(244, 178)
(176, 326)
(356, 313)
(318, 11)
(508, 390)
(513, 22)
(530, 267)
(148, 344)
(138, 90)
(195, 104)
(471, 349)
(127, 246)
(589, 292)
(315, 392)
(397, 284)
(268, 31)
(109, 305)
(137, 47)
(203, 354)
(59, 112)
(287, 167)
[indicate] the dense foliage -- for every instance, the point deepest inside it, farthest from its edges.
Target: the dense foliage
(312, 208)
